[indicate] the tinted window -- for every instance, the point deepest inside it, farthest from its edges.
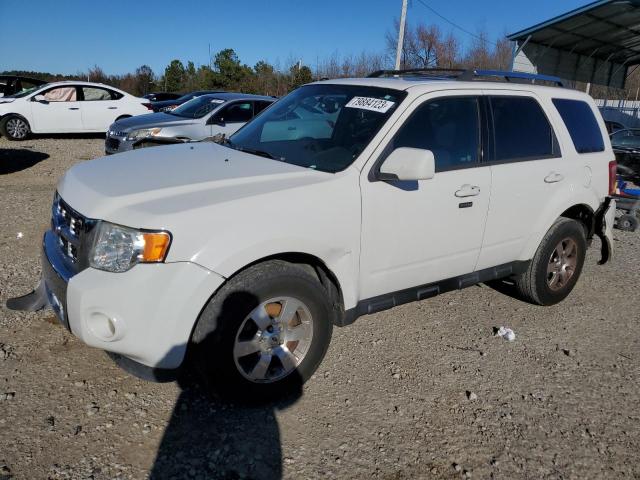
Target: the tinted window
(449, 127)
(582, 125)
(259, 106)
(237, 112)
(521, 130)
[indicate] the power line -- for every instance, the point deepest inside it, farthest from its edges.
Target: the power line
(456, 25)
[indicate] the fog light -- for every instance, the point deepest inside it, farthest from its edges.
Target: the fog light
(104, 327)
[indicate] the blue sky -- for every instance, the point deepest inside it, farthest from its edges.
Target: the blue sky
(68, 36)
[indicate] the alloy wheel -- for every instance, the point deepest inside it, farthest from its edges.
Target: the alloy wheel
(17, 128)
(273, 340)
(562, 264)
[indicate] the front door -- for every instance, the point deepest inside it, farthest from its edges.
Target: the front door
(59, 112)
(230, 118)
(414, 233)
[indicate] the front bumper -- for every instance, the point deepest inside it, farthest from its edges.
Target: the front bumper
(145, 314)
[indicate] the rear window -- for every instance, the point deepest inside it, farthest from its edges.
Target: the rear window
(582, 125)
(521, 130)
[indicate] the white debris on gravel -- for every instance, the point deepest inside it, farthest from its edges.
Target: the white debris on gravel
(506, 333)
(19, 235)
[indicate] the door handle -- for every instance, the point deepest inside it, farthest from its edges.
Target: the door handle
(553, 177)
(74, 108)
(467, 190)
(112, 108)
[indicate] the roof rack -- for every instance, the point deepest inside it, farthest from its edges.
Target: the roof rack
(467, 75)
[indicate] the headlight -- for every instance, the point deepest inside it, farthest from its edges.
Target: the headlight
(117, 248)
(143, 133)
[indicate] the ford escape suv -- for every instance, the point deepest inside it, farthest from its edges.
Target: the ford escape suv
(345, 198)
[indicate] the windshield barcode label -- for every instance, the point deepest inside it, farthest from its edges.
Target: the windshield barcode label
(373, 104)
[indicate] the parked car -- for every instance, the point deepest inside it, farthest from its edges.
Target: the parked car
(626, 146)
(199, 118)
(166, 105)
(66, 107)
(161, 96)
(613, 126)
(247, 253)
(12, 84)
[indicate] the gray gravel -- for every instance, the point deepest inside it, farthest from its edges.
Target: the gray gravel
(421, 391)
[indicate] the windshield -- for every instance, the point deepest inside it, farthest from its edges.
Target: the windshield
(197, 107)
(320, 126)
(626, 139)
(24, 93)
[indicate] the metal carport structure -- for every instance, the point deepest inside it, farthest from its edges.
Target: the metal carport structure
(598, 43)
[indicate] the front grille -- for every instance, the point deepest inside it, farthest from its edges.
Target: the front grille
(72, 231)
(112, 143)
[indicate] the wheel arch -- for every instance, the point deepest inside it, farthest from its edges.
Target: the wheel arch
(584, 214)
(317, 267)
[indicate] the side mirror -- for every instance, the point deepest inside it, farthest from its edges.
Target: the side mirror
(406, 163)
(39, 98)
(215, 120)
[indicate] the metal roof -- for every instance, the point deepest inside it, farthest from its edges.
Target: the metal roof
(605, 34)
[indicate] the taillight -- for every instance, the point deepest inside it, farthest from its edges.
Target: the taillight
(613, 167)
(148, 105)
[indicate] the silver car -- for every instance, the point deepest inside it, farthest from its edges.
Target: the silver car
(202, 117)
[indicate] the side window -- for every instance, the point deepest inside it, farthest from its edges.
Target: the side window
(238, 112)
(92, 94)
(61, 94)
(449, 127)
(521, 130)
(582, 125)
(259, 106)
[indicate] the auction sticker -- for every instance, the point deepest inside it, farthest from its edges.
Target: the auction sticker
(368, 103)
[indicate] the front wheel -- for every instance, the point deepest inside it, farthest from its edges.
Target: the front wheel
(557, 264)
(264, 333)
(627, 223)
(15, 128)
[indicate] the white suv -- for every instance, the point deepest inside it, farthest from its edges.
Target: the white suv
(345, 198)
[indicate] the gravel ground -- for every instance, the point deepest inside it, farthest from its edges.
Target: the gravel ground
(421, 391)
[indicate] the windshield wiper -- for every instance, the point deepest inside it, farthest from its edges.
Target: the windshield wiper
(261, 153)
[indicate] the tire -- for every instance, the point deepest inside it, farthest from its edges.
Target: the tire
(238, 342)
(556, 265)
(15, 127)
(628, 223)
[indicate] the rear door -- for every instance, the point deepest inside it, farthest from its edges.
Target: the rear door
(527, 170)
(100, 107)
(59, 112)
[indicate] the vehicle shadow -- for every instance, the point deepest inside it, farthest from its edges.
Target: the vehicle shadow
(14, 160)
(505, 286)
(218, 438)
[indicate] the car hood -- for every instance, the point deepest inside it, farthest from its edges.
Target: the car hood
(151, 120)
(6, 100)
(151, 187)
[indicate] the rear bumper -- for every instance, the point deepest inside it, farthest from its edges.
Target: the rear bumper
(605, 218)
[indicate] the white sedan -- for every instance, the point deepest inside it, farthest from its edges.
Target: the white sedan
(66, 107)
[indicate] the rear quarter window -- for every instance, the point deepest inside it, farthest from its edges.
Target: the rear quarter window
(582, 125)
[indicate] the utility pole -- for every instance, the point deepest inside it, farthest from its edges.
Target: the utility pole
(403, 18)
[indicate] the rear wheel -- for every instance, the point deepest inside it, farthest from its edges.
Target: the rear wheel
(264, 333)
(627, 222)
(557, 264)
(15, 128)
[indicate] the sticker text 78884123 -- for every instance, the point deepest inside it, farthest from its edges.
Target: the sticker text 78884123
(368, 103)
